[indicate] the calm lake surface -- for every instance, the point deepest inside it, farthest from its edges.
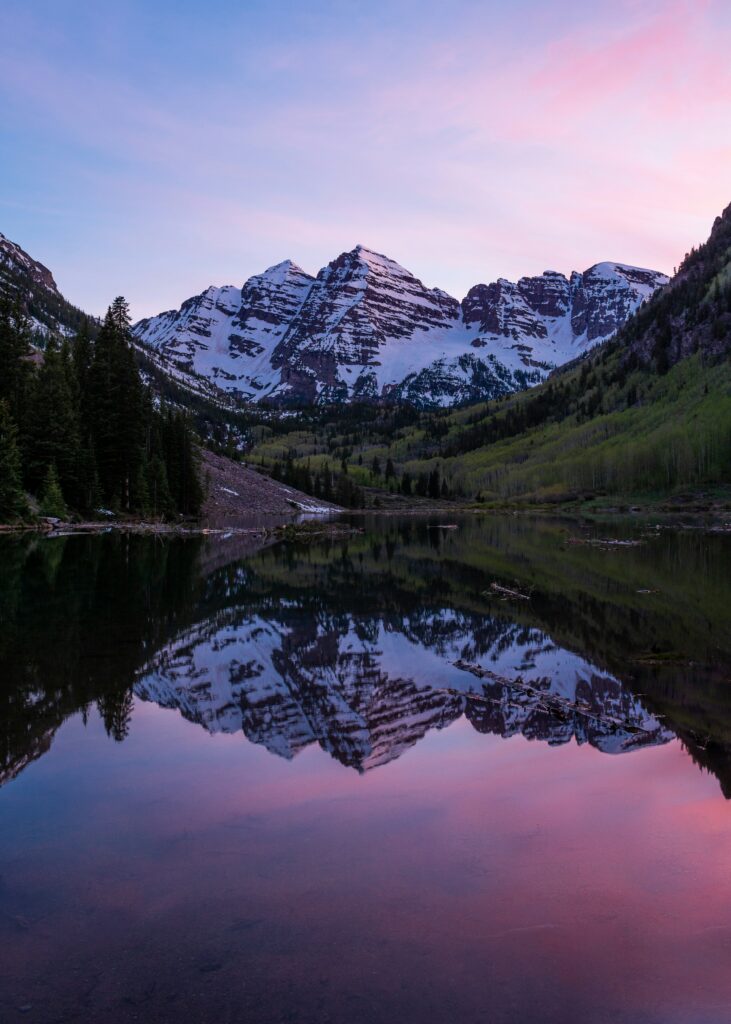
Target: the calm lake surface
(350, 780)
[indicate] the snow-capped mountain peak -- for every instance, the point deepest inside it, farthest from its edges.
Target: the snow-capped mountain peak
(366, 328)
(366, 688)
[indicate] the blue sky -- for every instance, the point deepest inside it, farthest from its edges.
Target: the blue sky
(154, 148)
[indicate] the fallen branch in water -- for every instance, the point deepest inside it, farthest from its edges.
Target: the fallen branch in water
(598, 542)
(550, 703)
(507, 592)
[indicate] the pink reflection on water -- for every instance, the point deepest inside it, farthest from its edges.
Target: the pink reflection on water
(475, 878)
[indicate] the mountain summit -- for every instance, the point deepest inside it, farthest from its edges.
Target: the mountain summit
(367, 328)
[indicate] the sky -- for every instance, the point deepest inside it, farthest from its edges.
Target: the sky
(154, 147)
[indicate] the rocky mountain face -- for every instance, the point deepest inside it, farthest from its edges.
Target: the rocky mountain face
(367, 688)
(693, 314)
(359, 306)
(30, 284)
(591, 306)
(229, 335)
(366, 328)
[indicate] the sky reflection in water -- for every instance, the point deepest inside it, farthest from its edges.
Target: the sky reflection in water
(472, 877)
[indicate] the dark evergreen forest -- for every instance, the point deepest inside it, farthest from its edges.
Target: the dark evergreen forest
(79, 430)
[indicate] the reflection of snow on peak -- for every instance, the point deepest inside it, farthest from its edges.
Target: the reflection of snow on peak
(368, 688)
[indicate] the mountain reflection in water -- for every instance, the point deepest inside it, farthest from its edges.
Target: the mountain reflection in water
(180, 838)
(367, 688)
(360, 643)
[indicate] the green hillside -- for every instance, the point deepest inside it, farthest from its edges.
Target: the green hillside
(646, 415)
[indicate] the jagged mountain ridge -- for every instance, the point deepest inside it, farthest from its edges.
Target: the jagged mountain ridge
(247, 323)
(32, 285)
(366, 328)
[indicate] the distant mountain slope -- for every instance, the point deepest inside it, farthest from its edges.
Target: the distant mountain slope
(645, 414)
(693, 315)
(366, 328)
(32, 285)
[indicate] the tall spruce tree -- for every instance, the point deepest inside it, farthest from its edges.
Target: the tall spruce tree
(52, 500)
(182, 464)
(13, 504)
(52, 431)
(116, 407)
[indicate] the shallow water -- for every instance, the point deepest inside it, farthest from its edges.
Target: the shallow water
(350, 780)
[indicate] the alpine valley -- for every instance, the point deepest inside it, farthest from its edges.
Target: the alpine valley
(361, 386)
(365, 615)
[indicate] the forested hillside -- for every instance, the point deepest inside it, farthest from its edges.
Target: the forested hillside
(648, 413)
(80, 432)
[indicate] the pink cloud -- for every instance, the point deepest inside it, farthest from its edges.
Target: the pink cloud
(476, 155)
(583, 71)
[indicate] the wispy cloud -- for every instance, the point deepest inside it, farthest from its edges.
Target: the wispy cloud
(497, 141)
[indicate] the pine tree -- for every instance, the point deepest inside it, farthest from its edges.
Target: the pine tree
(87, 430)
(90, 496)
(116, 407)
(141, 490)
(52, 433)
(115, 709)
(52, 502)
(181, 460)
(12, 497)
(160, 501)
(14, 360)
(81, 355)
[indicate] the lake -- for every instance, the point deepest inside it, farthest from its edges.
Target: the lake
(460, 769)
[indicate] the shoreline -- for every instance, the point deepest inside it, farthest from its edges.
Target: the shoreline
(311, 523)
